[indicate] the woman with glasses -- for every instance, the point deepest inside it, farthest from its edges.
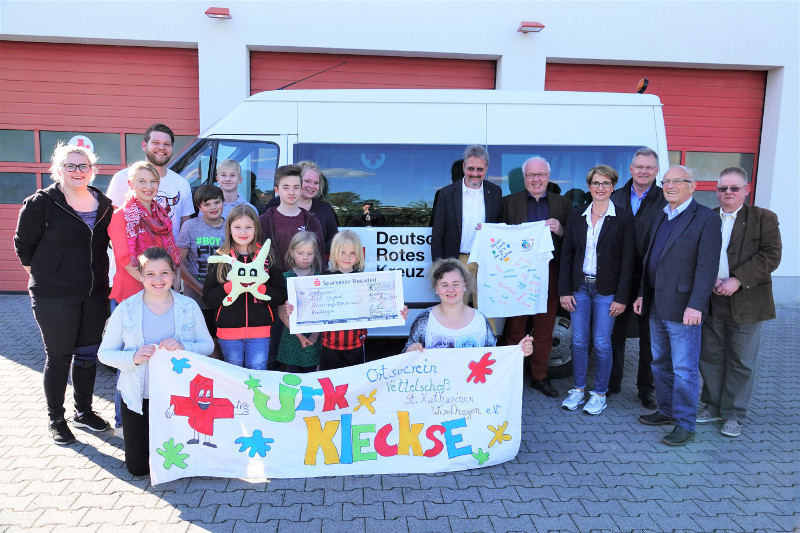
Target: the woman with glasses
(594, 283)
(61, 241)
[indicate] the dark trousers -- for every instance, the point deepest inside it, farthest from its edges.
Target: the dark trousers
(72, 328)
(294, 369)
(136, 432)
(275, 332)
(542, 329)
(728, 357)
(644, 378)
(330, 359)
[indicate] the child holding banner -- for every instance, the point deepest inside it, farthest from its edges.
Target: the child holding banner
(300, 353)
(451, 323)
(156, 317)
(344, 348)
(243, 320)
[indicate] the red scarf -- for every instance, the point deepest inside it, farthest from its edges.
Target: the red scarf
(147, 229)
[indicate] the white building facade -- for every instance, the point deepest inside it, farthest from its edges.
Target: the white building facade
(108, 69)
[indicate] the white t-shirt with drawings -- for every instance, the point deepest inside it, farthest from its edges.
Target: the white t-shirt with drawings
(513, 271)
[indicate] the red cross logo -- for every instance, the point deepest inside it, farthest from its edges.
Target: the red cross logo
(202, 408)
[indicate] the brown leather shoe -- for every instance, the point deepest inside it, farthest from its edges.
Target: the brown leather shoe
(545, 387)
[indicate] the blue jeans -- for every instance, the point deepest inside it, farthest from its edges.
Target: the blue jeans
(676, 353)
(591, 320)
(247, 353)
(117, 397)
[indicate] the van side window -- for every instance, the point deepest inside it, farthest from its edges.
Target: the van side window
(258, 160)
(194, 166)
(568, 166)
(400, 181)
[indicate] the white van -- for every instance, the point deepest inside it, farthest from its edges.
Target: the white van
(395, 149)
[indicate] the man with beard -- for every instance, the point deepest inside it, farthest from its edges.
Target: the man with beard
(174, 192)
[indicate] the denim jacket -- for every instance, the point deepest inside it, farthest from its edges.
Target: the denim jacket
(123, 336)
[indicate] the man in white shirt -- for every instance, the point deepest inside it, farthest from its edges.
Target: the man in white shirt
(741, 301)
(174, 192)
(462, 206)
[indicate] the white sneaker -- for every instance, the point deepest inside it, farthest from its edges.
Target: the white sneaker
(574, 399)
(731, 428)
(596, 404)
(118, 432)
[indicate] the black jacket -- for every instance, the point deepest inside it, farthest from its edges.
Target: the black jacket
(247, 317)
(446, 232)
(649, 212)
(66, 257)
(651, 209)
(615, 255)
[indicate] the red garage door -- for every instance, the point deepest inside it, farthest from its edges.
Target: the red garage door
(712, 117)
(274, 70)
(110, 94)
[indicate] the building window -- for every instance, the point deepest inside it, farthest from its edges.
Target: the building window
(17, 146)
(101, 181)
(133, 146)
(16, 186)
(708, 165)
(106, 145)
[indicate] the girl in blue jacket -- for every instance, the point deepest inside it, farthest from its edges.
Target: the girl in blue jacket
(156, 317)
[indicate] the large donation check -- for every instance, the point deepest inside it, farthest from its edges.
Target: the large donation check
(345, 301)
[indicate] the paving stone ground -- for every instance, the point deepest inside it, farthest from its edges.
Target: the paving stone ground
(573, 472)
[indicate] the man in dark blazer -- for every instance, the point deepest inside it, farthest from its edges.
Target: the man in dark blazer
(741, 301)
(645, 201)
(461, 207)
(533, 204)
(678, 275)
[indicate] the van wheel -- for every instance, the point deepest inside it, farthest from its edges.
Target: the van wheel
(560, 365)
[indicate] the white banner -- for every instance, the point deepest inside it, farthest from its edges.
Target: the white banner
(419, 412)
(345, 301)
(513, 270)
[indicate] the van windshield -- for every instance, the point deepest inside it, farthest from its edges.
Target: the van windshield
(397, 183)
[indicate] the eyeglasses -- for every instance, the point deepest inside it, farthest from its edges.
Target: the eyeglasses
(647, 168)
(601, 184)
(537, 175)
(666, 183)
(732, 188)
(70, 167)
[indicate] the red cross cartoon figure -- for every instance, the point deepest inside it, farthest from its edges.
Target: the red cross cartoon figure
(202, 408)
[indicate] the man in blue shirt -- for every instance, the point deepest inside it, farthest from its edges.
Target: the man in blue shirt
(678, 275)
(645, 200)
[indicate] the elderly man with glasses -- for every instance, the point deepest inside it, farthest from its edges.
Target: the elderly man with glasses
(678, 275)
(533, 204)
(741, 301)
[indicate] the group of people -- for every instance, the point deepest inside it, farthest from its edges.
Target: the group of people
(635, 249)
(62, 238)
(697, 280)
